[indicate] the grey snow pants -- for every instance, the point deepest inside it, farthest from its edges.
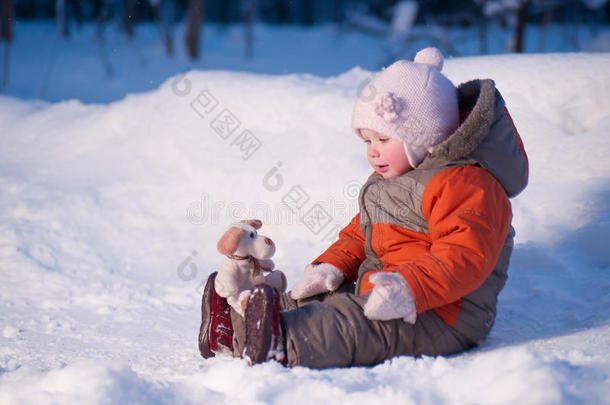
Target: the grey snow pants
(330, 330)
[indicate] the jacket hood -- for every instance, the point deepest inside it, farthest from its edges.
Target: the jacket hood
(486, 137)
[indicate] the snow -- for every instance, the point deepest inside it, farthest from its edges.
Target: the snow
(110, 214)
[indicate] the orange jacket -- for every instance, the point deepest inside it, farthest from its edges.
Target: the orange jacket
(447, 246)
(468, 215)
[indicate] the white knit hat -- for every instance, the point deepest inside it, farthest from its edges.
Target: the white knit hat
(412, 102)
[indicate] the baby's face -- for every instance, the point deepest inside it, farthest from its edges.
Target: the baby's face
(386, 155)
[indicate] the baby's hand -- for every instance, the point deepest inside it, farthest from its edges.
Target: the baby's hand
(391, 298)
(317, 279)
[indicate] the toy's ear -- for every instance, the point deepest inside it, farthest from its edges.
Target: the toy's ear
(229, 241)
(256, 223)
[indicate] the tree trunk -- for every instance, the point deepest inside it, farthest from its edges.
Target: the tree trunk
(307, 12)
(250, 10)
(163, 14)
(129, 16)
(105, 13)
(61, 16)
(195, 15)
(482, 29)
(283, 14)
(546, 21)
(520, 26)
(7, 13)
(338, 11)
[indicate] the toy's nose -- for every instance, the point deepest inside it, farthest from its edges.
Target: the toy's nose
(268, 241)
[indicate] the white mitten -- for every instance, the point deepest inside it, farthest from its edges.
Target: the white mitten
(391, 298)
(317, 279)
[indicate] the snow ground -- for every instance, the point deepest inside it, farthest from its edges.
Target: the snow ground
(110, 213)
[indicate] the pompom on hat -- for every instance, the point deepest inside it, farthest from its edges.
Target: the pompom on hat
(412, 102)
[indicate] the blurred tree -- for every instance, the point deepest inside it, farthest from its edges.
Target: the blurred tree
(64, 10)
(515, 12)
(194, 17)
(128, 16)
(307, 12)
(522, 14)
(317, 11)
(7, 14)
(482, 28)
(225, 11)
(62, 18)
(249, 11)
(104, 15)
(163, 12)
(283, 11)
(338, 10)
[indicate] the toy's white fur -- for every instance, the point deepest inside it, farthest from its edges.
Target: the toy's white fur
(248, 255)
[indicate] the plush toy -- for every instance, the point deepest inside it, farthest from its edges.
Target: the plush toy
(248, 258)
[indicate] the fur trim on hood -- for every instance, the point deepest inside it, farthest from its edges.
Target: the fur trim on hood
(486, 137)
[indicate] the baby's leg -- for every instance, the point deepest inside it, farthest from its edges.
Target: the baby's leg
(335, 333)
(330, 330)
(286, 304)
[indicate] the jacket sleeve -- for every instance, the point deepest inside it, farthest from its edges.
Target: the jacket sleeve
(348, 252)
(468, 216)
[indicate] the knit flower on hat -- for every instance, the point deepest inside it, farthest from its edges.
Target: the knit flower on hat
(388, 107)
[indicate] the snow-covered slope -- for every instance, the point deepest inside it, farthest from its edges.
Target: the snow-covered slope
(109, 217)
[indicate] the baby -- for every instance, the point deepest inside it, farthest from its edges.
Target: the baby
(418, 270)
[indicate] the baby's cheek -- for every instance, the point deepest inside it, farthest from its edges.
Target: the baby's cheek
(398, 160)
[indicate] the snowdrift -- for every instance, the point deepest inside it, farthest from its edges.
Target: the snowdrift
(110, 215)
